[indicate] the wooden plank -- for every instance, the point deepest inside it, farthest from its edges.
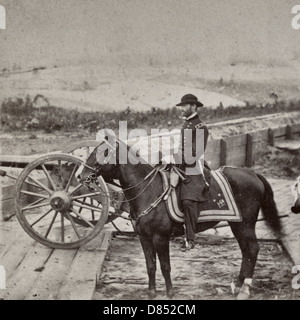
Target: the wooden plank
(260, 145)
(7, 208)
(18, 161)
(52, 276)
(249, 151)
(296, 128)
(236, 141)
(271, 137)
(214, 161)
(104, 248)
(236, 162)
(212, 156)
(213, 146)
(223, 152)
(17, 243)
(81, 280)
(7, 192)
(279, 132)
(289, 132)
(19, 284)
(260, 135)
(236, 152)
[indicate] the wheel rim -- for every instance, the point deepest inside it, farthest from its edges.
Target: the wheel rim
(54, 208)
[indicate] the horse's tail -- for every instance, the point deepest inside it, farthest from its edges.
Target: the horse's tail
(269, 208)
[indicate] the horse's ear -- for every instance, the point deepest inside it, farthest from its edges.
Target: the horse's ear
(109, 135)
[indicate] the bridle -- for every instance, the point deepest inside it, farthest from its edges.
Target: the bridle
(92, 177)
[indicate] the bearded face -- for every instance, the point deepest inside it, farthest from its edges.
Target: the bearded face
(187, 110)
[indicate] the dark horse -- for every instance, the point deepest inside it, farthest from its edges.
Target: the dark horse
(155, 227)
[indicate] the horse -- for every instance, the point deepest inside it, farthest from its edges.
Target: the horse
(296, 192)
(144, 191)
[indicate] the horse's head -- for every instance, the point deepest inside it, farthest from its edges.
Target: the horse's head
(102, 161)
(296, 192)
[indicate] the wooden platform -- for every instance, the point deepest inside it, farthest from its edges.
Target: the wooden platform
(35, 272)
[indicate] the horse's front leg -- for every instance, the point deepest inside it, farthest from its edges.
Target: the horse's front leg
(162, 247)
(150, 257)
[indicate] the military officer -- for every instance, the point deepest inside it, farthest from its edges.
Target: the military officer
(191, 158)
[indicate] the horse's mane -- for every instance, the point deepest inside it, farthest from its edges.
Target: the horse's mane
(133, 153)
(123, 144)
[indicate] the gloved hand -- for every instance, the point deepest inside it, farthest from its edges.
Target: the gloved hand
(168, 159)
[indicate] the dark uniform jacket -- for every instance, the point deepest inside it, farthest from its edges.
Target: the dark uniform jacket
(195, 188)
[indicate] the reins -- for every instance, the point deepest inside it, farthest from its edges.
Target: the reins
(92, 177)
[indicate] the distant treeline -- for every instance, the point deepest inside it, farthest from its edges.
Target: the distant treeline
(24, 114)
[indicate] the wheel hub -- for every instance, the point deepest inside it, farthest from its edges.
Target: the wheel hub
(60, 201)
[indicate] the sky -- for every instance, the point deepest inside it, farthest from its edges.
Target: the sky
(56, 32)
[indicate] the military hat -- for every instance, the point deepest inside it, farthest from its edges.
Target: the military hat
(189, 99)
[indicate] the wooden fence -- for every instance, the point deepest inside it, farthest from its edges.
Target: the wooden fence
(241, 150)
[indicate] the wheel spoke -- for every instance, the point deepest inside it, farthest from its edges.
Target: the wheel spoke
(93, 212)
(35, 194)
(59, 168)
(36, 202)
(71, 177)
(32, 184)
(41, 185)
(73, 225)
(86, 195)
(83, 203)
(35, 206)
(51, 224)
(49, 177)
(83, 218)
(76, 189)
(62, 227)
(43, 216)
(86, 206)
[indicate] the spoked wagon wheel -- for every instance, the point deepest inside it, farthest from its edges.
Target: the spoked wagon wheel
(54, 208)
(118, 208)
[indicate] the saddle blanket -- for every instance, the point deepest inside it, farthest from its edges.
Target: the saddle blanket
(220, 206)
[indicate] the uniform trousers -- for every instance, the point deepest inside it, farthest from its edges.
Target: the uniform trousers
(191, 210)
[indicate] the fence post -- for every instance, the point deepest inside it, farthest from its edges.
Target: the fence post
(289, 132)
(223, 152)
(271, 137)
(249, 151)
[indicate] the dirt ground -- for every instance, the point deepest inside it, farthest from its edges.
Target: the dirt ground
(204, 273)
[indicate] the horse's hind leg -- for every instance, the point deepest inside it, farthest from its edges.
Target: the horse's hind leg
(162, 247)
(246, 237)
(150, 256)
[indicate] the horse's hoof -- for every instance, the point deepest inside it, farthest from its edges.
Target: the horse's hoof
(170, 293)
(243, 296)
(152, 294)
(244, 293)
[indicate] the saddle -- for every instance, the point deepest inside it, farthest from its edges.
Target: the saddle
(220, 205)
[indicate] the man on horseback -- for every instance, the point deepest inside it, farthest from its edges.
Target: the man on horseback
(194, 189)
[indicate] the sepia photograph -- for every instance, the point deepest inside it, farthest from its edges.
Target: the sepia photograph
(149, 151)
